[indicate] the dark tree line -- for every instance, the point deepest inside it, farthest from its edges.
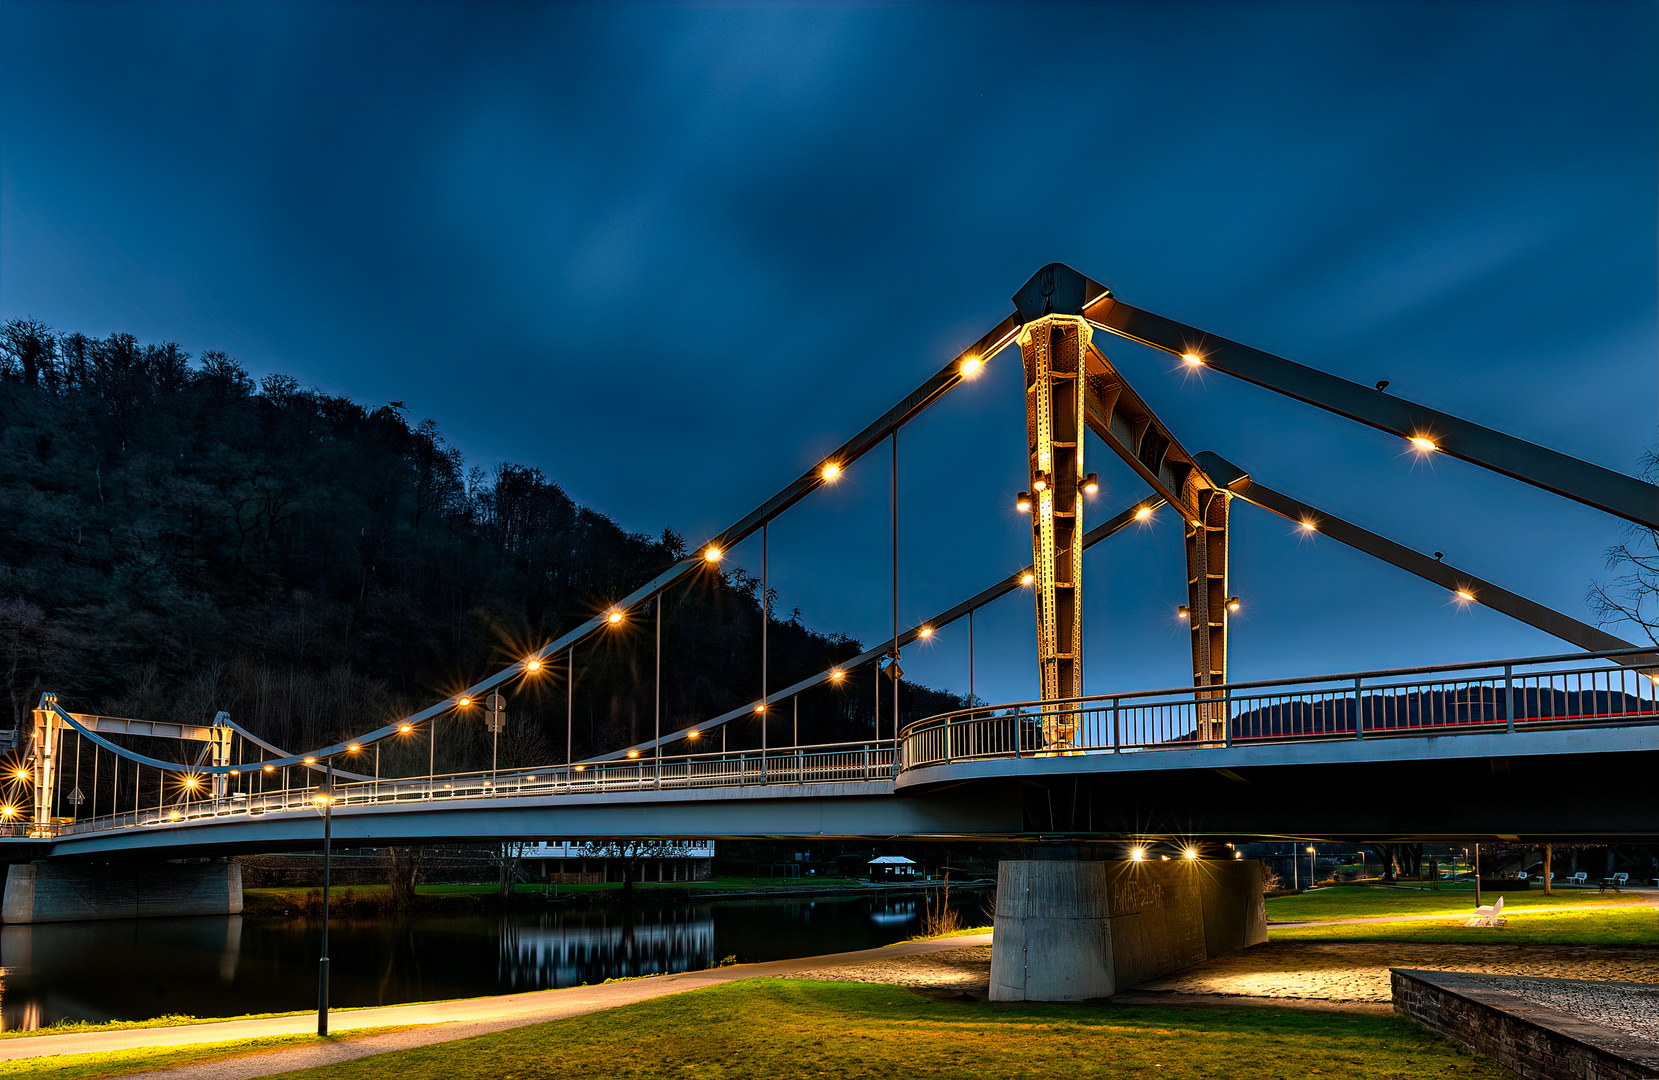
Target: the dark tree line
(177, 539)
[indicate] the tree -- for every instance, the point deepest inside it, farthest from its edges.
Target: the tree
(1633, 594)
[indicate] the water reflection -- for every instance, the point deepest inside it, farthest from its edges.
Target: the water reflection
(140, 968)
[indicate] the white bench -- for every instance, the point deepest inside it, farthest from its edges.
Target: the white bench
(1488, 915)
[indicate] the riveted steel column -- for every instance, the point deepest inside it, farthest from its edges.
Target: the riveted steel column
(1053, 348)
(1207, 607)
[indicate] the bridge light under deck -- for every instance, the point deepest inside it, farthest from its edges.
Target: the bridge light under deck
(1182, 612)
(1091, 484)
(532, 664)
(1308, 526)
(463, 702)
(1464, 594)
(353, 748)
(20, 773)
(838, 675)
(925, 632)
(310, 761)
(712, 554)
(614, 617)
(1192, 359)
(1423, 444)
(190, 781)
(694, 734)
(404, 729)
(760, 708)
(1233, 604)
(830, 471)
(270, 768)
(1137, 854)
(1027, 578)
(8, 811)
(1142, 513)
(1022, 502)
(971, 366)
(1190, 853)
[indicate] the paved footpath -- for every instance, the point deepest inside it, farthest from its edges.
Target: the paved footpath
(436, 1022)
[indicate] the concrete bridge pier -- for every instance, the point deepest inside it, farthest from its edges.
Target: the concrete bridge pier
(51, 892)
(1077, 929)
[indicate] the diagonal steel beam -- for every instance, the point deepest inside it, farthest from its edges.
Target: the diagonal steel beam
(1002, 588)
(1614, 492)
(1565, 627)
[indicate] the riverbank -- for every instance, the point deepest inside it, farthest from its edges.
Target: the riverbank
(352, 900)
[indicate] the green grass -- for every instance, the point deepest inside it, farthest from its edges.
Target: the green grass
(1362, 902)
(795, 1028)
(965, 931)
(124, 1062)
(1637, 926)
(82, 1027)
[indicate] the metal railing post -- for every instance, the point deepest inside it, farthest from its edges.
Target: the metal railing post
(1227, 716)
(1509, 696)
(1117, 725)
(1016, 731)
(947, 740)
(1359, 714)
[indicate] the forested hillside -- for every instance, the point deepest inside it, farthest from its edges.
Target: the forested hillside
(176, 539)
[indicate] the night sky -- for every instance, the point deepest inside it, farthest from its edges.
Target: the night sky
(673, 254)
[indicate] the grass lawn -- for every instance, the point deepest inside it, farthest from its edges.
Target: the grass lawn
(1362, 902)
(1608, 926)
(795, 1028)
(124, 1062)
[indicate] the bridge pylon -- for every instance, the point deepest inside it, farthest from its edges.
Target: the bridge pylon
(1208, 602)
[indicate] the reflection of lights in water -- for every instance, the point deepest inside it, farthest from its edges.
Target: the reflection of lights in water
(582, 951)
(895, 913)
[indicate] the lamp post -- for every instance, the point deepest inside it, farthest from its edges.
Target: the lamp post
(1312, 875)
(327, 799)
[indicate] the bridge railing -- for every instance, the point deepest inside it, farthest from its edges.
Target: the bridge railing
(831, 763)
(1502, 696)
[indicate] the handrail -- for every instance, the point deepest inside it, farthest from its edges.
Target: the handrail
(1297, 680)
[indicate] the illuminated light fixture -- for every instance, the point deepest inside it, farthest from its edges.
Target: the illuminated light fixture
(1238, 854)
(1310, 849)
(830, 471)
(1424, 444)
(1039, 483)
(1464, 594)
(1027, 578)
(1137, 854)
(1232, 603)
(1308, 526)
(581, 768)
(318, 799)
(925, 632)
(310, 761)
(760, 708)
(174, 816)
(712, 554)
(1163, 858)
(837, 675)
(1192, 358)
(8, 811)
(1091, 483)
(353, 748)
(614, 617)
(20, 773)
(190, 781)
(633, 753)
(270, 768)
(529, 777)
(694, 734)
(462, 702)
(971, 365)
(236, 772)
(1142, 513)
(532, 664)
(1182, 612)
(404, 729)
(1191, 853)
(1022, 502)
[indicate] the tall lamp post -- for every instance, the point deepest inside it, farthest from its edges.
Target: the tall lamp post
(326, 798)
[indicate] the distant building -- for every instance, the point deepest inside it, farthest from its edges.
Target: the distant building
(569, 862)
(892, 868)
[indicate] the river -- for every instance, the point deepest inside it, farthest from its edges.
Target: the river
(136, 969)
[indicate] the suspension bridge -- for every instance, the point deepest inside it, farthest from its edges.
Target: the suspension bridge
(1543, 747)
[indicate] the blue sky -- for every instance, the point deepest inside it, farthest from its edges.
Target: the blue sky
(671, 254)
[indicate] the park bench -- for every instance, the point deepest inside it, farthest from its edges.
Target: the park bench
(1488, 915)
(1617, 882)
(1580, 878)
